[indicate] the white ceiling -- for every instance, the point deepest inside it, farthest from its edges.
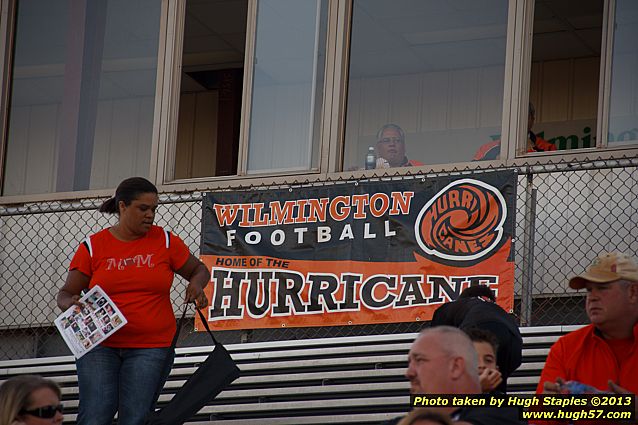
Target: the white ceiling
(214, 37)
(567, 29)
(214, 31)
(430, 35)
(389, 35)
(411, 35)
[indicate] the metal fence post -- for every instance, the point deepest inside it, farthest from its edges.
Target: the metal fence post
(528, 250)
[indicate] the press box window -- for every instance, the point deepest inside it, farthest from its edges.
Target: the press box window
(565, 74)
(82, 83)
(284, 98)
(211, 88)
(429, 74)
(623, 102)
(287, 86)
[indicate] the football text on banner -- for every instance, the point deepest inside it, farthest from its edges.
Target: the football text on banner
(356, 253)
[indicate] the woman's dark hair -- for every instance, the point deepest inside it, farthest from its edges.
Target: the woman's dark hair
(478, 291)
(129, 190)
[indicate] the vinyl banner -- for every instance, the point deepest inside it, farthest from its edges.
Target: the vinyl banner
(356, 253)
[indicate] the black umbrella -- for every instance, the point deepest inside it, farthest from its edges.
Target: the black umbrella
(210, 378)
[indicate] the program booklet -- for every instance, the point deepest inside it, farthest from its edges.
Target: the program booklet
(84, 328)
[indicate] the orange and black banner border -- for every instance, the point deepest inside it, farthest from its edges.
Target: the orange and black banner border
(356, 253)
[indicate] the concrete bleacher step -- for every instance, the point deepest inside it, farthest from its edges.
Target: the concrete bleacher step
(354, 380)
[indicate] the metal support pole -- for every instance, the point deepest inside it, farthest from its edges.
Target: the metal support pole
(528, 251)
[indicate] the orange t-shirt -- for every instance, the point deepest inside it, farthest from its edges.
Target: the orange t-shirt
(137, 275)
(584, 356)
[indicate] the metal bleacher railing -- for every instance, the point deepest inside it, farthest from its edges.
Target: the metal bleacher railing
(355, 380)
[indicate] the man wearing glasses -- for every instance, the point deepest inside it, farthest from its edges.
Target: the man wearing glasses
(391, 148)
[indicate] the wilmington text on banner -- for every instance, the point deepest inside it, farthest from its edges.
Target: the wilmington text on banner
(356, 253)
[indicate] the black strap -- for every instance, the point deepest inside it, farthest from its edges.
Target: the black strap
(181, 322)
(205, 322)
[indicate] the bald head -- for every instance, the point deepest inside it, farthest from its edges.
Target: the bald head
(455, 342)
(443, 360)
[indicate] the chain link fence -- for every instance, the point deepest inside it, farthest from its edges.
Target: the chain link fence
(566, 215)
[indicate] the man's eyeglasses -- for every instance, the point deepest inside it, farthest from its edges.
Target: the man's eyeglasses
(388, 140)
(46, 412)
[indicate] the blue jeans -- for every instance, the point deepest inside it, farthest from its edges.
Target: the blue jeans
(124, 380)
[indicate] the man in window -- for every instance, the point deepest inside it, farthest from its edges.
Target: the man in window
(535, 143)
(391, 148)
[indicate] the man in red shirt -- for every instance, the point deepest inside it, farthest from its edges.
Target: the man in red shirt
(603, 354)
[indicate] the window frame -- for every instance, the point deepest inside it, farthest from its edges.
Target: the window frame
(333, 107)
(7, 33)
(8, 17)
(166, 166)
(602, 149)
(334, 110)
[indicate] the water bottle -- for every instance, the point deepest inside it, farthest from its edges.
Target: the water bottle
(371, 159)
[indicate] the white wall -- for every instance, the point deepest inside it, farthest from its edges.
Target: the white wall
(196, 148)
(579, 215)
(122, 145)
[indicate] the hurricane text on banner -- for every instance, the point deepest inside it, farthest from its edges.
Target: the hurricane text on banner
(356, 253)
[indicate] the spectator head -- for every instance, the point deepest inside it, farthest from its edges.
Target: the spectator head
(478, 291)
(135, 202)
(486, 346)
(612, 292)
(31, 400)
(425, 417)
(442, 360)
(391, 145)
(128, 190)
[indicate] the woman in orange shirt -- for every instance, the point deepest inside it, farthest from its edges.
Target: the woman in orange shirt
(134, 262)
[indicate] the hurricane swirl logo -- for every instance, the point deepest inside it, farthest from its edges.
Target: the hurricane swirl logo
(462, 222)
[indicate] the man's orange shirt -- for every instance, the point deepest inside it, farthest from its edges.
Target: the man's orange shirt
(584, 356)
(137, 275)
(492, 150)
